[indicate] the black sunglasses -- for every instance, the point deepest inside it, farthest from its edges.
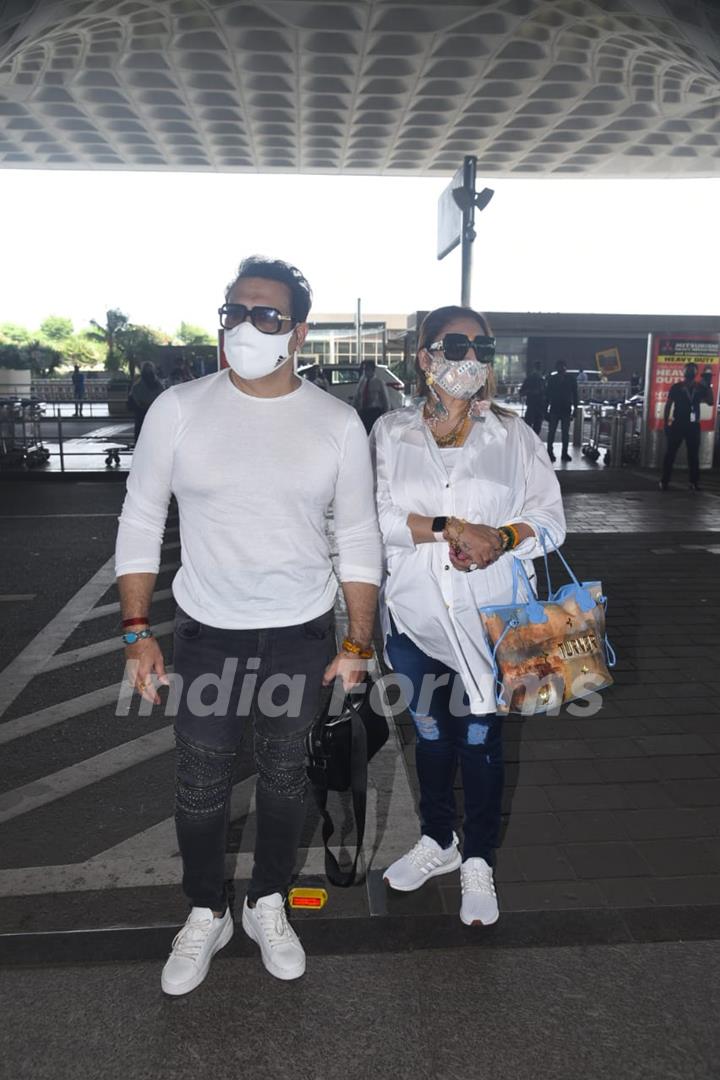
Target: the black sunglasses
(456, 346)
(268, 320)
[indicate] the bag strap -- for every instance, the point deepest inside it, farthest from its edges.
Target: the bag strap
(544, 535)
(358, 782)
(536, 611)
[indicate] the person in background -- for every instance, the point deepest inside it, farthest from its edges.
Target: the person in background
(533, 390)
(682, 423)
(562, 396)
(462, 488)
(371, 398)
(78, 382)
(142, 394)
(180, 373)
(315, 376)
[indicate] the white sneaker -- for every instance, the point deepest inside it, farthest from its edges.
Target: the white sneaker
(267, 924)
(426, 860)
(193, 948)
(479, 902)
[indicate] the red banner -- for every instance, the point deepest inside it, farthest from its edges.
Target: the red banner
(669, 355)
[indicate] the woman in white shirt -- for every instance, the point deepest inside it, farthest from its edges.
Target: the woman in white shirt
(462, 488)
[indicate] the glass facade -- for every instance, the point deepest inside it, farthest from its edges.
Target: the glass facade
(510, 361)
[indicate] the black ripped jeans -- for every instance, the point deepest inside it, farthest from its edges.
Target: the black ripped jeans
(229, 679)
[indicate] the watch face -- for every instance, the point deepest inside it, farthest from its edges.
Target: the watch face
(439, 524)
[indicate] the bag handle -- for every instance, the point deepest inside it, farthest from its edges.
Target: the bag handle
(358, 784)
(543, 537)
(535, 610)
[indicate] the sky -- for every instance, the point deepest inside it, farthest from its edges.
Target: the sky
(163, 246)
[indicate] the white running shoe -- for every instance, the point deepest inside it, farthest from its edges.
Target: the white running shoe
(193, 948)
(479, 902)
(426, 860)
(267, 925)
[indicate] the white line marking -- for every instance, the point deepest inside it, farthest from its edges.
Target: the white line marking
(24, 517)
(98, 648)
(84, 773)
(99, 873)
(20, 671)
(112, 609)
(55, 714)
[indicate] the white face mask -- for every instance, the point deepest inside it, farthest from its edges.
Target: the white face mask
(252, 354)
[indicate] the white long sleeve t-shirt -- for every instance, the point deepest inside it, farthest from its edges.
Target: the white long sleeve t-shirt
(500, 475)
(253, 478)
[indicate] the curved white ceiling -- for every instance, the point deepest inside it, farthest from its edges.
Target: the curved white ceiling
(533, 87)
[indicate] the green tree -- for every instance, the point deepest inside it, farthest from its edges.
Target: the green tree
(115, 322)
(194, 335)
(56, 328)
(83, 350)
(138, 344)
(12, 334)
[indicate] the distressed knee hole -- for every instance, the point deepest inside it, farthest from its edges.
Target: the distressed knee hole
(477, 733)
(426, 727)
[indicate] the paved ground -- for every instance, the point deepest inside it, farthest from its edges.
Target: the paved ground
(640, 1012)
(611, 839)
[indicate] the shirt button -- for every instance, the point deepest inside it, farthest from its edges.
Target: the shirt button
(447, 485)
(447, 567)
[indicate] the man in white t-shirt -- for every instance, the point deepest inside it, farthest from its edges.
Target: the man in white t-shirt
(254, 456)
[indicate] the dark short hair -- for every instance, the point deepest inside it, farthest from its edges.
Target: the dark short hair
(276, 270)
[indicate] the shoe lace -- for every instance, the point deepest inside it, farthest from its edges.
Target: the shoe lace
(420, 854)
(276, 928)
(475, 879)
(190, 939)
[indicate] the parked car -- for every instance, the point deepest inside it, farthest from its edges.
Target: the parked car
(343, 380)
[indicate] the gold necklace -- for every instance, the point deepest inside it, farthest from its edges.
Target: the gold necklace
(453, 437)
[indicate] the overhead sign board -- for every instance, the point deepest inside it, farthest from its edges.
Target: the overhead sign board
(450, 217)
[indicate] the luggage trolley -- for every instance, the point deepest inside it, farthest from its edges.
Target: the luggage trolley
(20, 436)
(599, 435)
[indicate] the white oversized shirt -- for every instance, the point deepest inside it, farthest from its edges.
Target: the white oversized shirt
(501, 475)
(253, 478)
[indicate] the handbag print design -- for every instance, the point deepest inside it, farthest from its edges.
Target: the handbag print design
(548, 652)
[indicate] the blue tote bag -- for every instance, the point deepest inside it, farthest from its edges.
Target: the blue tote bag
(548, 652)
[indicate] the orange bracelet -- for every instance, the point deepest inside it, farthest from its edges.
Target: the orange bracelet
(352, 647)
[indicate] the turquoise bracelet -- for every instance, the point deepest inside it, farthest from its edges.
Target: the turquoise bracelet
(136, 635)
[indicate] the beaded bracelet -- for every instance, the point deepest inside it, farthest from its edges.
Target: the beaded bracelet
(510, 535)
(352, 647)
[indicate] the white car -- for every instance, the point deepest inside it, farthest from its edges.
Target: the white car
(343, 380)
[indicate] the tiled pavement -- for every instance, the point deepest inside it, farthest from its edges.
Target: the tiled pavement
(616, 815)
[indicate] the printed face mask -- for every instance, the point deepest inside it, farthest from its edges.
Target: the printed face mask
(252, 354)
(460, 379)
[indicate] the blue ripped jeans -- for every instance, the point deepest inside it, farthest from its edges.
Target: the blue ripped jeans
(443, 739)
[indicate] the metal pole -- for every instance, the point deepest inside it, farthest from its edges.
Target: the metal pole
(60, 442)
(358, 332)
(468, 230)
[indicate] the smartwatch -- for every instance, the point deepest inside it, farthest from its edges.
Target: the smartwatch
(439, 524)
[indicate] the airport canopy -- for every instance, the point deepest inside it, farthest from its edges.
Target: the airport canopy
(599, 88)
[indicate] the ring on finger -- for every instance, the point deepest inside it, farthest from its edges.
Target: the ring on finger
(473, 566)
